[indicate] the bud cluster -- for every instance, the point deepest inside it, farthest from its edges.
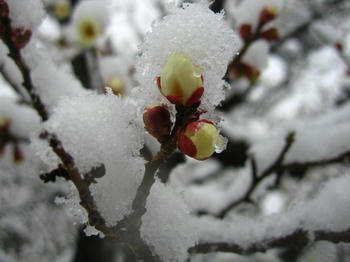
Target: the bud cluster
(249, 35)
(181, 82)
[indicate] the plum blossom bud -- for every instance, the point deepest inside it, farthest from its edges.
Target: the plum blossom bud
(245, 31)
(268, 14)
(245, 70)
(270, 35)
(62, 9)
(181, 82)
(157, 122)
(117, 86)
(4, 9)
(21, 37)
(199, 139)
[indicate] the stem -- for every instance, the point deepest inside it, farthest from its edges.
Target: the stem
(15, 55)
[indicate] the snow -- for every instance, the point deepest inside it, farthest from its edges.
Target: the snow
(326, 211)
(257, 55)
(167, 225)
(98, 129)
(248, 12)
(196, 31)
(28, 16)
(24, 119)
(307, 146)
(92, 9)
(50, 81)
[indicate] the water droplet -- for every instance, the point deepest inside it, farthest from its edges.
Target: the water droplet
(221, 144)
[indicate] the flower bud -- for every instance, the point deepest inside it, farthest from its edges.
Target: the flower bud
(62, 9)
(268, 14)
(117, 86)
(248, 71)
(157, 122)
(4, 9)
(181, 82)
(199, 139)
(270, 35)
(21, 37)
(245, 31)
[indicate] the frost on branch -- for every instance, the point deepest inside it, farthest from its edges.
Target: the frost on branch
(197, 32)
(95, 130)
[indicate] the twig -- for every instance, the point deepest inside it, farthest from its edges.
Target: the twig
(242, 52)
(299, 238)
(257, 179)
(15, 55)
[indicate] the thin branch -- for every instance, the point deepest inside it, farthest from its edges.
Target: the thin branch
(278, 168)
(15, 55)
(257, 179)
(299, 238)
(242, 52)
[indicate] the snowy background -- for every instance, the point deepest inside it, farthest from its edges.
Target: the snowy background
(303, 87)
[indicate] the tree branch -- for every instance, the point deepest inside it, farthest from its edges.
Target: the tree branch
(15, 55)
(299, 238)
(257, 179)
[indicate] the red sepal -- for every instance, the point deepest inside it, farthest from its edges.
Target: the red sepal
(186, 145)
(177, 100)
(271, 35)
(195, 97)
(158, 83)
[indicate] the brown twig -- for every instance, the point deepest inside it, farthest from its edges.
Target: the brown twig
(299, 238)
(278, 168)
(244, 49)
(257, 179)
(15, 55)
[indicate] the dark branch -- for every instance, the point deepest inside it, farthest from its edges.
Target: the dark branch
(15, 55)
(299, 238)
(257, 179)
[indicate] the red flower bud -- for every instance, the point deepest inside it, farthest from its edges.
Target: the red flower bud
(4, 9)
(248, 71)
(270, 35)
(245, 31)
(157, 122)
(199, 139)
(21, 37)
(268, 14)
